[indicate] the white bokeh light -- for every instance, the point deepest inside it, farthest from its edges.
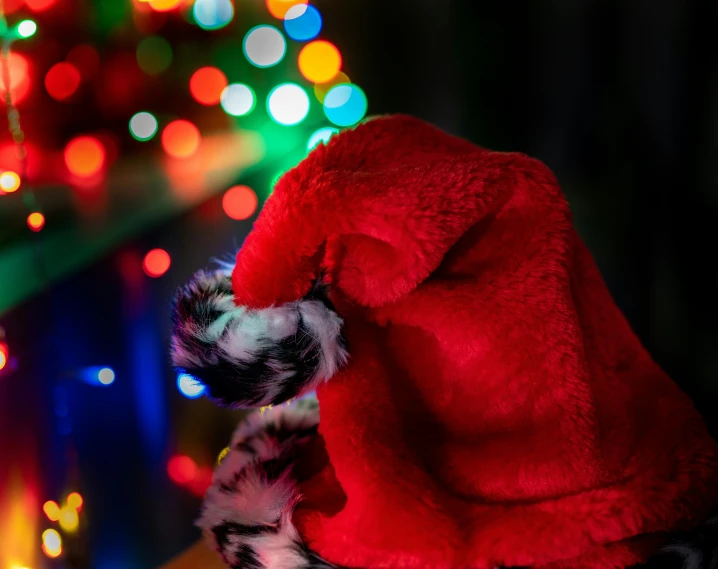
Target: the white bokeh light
(237, 99)
(288, 104)
(264, 46)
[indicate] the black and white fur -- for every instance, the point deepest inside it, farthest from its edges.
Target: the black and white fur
(254, 358)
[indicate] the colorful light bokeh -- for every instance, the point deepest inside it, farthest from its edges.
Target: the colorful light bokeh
(180, 139)
(51, 543)
(345, 104)
(238, 99)
(69, 519)
(106, 376)
(319, 61)
(40, 5)
(302, 22)
(143, 126)
(239, 202)
(206, 85)
(321, 135)
(321, 89)
(264, 46)
(62, 80)
(279, 8)
(189, 386)
(4, 354)
(74, 499)
(9, 182)
(85, 156)
(181, 469)
(156, 263)
(212, 14)
(20, 82)
(51, 510)
(288, 104)
(36, 221)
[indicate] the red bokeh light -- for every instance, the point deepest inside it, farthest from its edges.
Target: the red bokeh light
(181, 469)
(206, 85)
(19, 78)
(62, 80)
(40, 5)
(85, 59)
(4, 354)
(180, 139)
(84, 156)
(239, 202)
(201, 482)
(157, 262)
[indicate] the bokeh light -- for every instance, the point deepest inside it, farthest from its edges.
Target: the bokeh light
(156, 263)
(212, 14)
(26, 28)
(264, 46)
(19, 77)
(69, 520)
(181, 469)
(238, 99)
(206, 85)
(4, 354)
(143, 126)
(74, 500)
(36, 221)
(51, 543)
(302, 22)
(345, 104)
(154, 55)
(84, 156)
(321, 135)
(52, 510)
(279, 8)
(62, 80)
(319, 61)
(180, 139)
(9, 182)
(288, 104)
(239, 202)
(40, 5)
(321, 89)
(106, 376)
(164, 5)
(189, 386)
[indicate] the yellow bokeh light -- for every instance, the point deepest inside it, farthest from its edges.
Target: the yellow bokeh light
(52, 510)
(319, 61)
(279, 8)
(74, 500)
(164, 5)
(51, 543)
(9, 182)
(69, 520)
(321, 89)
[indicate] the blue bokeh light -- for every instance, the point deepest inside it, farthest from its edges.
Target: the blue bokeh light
(98, 375)
(345, 104)
(321, 135)
(212, 14)
(302, 22)
(189, 386)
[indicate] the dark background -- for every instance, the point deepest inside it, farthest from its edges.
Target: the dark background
(620, 99)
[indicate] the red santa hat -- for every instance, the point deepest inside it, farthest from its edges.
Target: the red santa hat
(483, 401)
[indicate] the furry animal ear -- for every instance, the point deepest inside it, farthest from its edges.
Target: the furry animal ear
(254, 357)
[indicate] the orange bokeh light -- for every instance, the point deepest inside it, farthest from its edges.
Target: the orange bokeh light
(319, 61)
(156, 263)
(206, 85)
(84, 156)
(279, 8)
(62, 80)
(52, 510)
(164, 5)
(74, 500)
(19, 78)
(9, 182)
(4, 353)
(40, 5)
(36, 221)
(181, 469)
(239, 202)
(180, 139)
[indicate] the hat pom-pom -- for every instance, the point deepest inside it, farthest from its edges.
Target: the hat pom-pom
(254, 357)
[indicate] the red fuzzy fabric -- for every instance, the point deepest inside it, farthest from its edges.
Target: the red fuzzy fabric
(497, 409)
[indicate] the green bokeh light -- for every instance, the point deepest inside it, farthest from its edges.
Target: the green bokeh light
(154, 55)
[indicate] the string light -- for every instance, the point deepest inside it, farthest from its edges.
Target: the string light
(84, 156)
(264, 46)
(156, 263)
(239, 202)
(51, 543)
(288, 104)
(237, 99)
(345, 104)
(302, 22)
(207, 84)
(319, 61)
(212, 14)
(180, 139)
(9, 182)
(143, 126)
(36, 221)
